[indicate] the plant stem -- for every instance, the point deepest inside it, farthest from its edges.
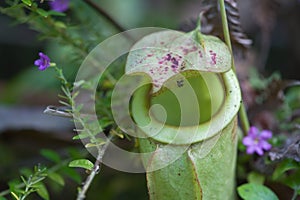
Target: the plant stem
(242, 112)
(101, 150)
(105, 15)
(6, 192)
(82, 192)
(295, 195)
(244, 119)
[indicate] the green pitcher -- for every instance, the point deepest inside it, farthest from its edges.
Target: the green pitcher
(186, 109)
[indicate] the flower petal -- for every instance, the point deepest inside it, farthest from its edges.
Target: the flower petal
(265, 134)
(250, 149)
(265, 145)
(248, 141)
(42, 68)
(253, 131)
(259, 151)
(37, 62)
(59, 5)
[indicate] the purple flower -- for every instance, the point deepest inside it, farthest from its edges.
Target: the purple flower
(256, 141)
(43, 63)
(59, 5)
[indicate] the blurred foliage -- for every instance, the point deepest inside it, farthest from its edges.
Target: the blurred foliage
(280, 98)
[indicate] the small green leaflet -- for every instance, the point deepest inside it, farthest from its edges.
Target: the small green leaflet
(42, 191)
(82, 163)
(51, 155)
(56, 178)
(27, 2)
(42, 12)
(54, 13)
(252, 191)
(72, 174)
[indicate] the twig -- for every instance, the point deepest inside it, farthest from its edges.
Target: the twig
(105, 15)
(295, 194)
(94, 172)
(242, 111)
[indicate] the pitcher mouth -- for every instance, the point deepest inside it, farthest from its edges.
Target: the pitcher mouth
(188, 99)
(169, 132)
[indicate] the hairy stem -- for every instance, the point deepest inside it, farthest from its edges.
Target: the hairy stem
(82, 192)
(242, 112)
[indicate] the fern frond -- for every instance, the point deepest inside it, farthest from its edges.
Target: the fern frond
(211, 23)
(213, 20)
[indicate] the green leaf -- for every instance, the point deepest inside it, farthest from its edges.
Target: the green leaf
(56, 178)
(82, 163)
(78, 84)
(284, 166)
(42, 12)
(104, 122)
(3, 198)
(51, 155)
(256, 178)
(252, 191)
(72, 174)
(13, 186)
(90, 145)
(26, 171)
(82, 135)
(27, 2)
(54, 13)
(292, 97)
(42, 191)
(292, 180)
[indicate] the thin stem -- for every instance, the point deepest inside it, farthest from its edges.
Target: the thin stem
(226, 29)
(105, 15)
(101, 150)
(82, 192)
(294, 195)
(198, 32)
(244, 119)
(242, 112)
